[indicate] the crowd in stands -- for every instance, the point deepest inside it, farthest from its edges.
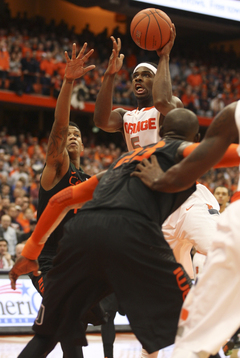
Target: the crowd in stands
(21, 162)
(32, 61)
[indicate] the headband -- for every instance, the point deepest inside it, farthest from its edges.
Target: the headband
(148, 65)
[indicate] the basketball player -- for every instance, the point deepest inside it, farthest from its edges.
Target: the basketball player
(210, 314)
(192, 224)
(140, 269)
(62, 168)
(153, 91)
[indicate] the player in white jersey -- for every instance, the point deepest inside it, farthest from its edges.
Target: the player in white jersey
(211, 312)
(141, 127)
(152, 88)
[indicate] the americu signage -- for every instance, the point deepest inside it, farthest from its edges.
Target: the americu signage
(19, 307)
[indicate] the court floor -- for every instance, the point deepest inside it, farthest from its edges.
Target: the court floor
(126, 346)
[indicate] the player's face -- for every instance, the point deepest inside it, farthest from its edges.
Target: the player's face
(221, 194)
(142, 82)
(74, 141)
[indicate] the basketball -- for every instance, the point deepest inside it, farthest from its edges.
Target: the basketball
(150, 29)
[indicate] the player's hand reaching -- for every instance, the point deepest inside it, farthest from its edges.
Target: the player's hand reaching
(116, 59)
(168, 47)
(148, 171)
(23, 266)
(75, 66)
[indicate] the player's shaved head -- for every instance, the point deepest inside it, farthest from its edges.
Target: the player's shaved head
(181, 123)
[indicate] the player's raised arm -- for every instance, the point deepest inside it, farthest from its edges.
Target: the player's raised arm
(163, 98)
(57, 158)
(104, 117)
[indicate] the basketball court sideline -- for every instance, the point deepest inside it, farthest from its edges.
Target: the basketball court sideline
(126, 346)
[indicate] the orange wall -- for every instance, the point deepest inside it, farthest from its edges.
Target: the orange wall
(73, 15)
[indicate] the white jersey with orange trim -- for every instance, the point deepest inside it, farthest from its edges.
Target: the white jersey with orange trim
(141, 127)
(192, 224)
(211, 310)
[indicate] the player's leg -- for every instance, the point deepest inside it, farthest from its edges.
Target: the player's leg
(68, 347)
(71, 350)
(211, 314)
(73, 286)
(110, 305)
(38, 347)
(145, 354)
(108, 335)
(150, 286)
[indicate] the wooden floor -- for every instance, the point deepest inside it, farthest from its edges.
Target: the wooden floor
(126, 346)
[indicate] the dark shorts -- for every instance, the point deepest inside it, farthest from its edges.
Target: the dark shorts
(39, 282)
(112, 251)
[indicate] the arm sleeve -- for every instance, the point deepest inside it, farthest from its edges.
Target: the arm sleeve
(53, 214)
(230, 158)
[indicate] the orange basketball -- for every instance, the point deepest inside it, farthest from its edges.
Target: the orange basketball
(150, 29)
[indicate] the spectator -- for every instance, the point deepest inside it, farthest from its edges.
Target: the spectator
(30, 70)
(4, 63)
(217, 104)
(19, 172)
(24, 236)
(27, 203)
(18, 250)
(8, 233)
(204, 105)
(34, 190)
(15, 72)
(188, 99)
(221, 193)
(20, 184)
(24, 219)
(195, 78)
(13, 213)
(3, 171)
(6, 190)
(5, 205)
(47, 68)
(6, 262)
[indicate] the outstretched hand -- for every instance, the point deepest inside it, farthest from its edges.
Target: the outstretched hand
(23, 266)
(148, 171)
(75, 66)
(165, 50)
(116, 59)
